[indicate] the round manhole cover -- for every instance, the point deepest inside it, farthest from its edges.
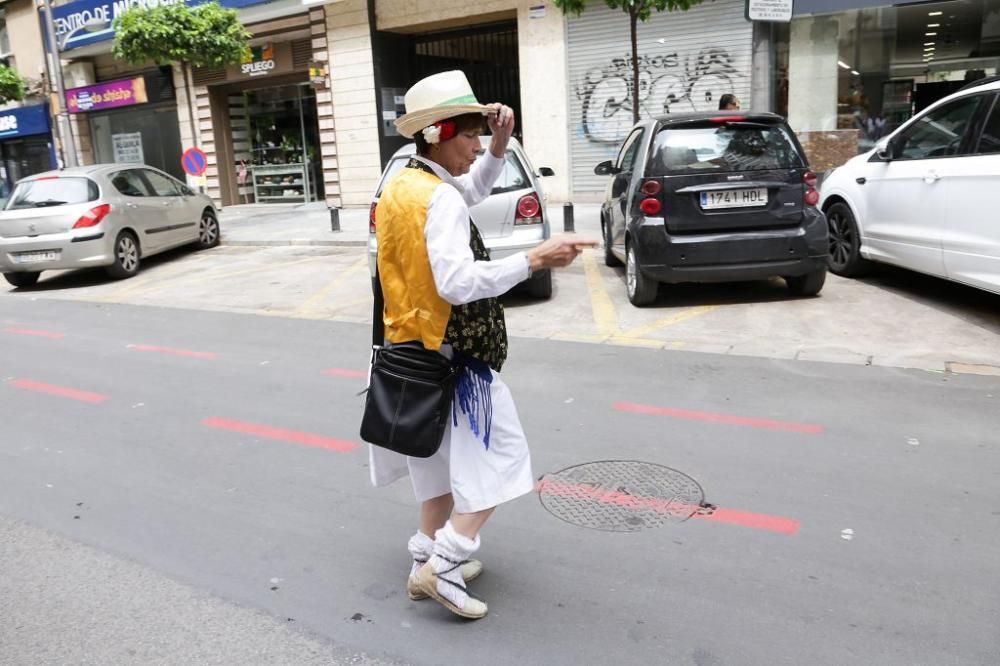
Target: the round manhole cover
(620, 495)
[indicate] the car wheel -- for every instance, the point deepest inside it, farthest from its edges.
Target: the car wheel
(809, 284)
(126, 263)
(539, 285)
(609, 257)
(22, 279)
(208, 231)
(640, 289)
(845, 242)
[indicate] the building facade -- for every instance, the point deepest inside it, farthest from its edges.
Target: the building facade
(849, 72)
(310, 117)
(26, 141)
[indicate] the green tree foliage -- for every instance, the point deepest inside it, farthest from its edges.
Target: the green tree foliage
(11, 85)
(637, 10)
(202, 36)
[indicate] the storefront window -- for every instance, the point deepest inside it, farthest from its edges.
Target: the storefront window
(845, 80)
(4, 35)
(281, 127)
(140, 134)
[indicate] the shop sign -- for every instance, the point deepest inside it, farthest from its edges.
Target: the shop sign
(770, 11)
(260, 62)
(266, 60)
(24, 121)
(393, 106)
(128, 147)
(110, 95)
(91, 21)
(317, 74)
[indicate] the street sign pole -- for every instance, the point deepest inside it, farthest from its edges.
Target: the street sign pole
(62, 116)
(194, 161)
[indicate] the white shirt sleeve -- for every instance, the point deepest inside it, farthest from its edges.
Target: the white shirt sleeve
(458, 276)
(478, 183)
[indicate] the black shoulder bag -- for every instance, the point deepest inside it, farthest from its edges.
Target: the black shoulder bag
(410, 392)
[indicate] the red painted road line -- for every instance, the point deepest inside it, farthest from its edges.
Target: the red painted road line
(341, 372)
(61, 391)
(713, 417)
(758, 521)
(39, 334)
(208, 356)
(292, 436)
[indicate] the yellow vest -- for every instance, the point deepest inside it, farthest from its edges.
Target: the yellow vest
(413, 308)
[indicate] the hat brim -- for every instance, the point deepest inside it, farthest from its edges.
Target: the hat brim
(411, 123)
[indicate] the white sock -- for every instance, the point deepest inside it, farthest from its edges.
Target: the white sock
(421, 548)
(450, 550)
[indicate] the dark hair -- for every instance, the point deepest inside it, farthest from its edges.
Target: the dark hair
(464, 123)
(726, 100)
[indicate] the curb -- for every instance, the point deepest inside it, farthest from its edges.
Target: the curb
(299, 242)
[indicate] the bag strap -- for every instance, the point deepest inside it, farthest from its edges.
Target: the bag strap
(378, 323)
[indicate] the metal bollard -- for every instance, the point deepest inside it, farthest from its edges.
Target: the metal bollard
(568, 225)
(334, 219)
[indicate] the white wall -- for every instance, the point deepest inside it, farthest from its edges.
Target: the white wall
(544, 94)
(813, 74)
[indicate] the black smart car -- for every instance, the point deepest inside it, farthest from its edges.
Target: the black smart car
(713, 197)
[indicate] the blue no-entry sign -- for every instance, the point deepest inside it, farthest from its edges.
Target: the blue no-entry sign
(194, 161)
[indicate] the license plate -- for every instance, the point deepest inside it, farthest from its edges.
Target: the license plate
(35, 257)
(734, 198)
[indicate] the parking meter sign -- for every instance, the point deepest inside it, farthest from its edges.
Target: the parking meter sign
(194, 161)
(769, 11)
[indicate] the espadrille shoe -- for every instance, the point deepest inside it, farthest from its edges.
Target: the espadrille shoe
(470, 571)
(472, 608)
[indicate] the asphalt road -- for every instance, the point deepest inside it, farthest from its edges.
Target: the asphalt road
(208, 462)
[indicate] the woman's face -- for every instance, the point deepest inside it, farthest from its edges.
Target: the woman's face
(457, 155)
(733, 106)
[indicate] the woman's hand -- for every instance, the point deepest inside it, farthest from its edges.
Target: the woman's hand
(501, 123)
(557, 252)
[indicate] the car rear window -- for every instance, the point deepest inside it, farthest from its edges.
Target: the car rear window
(60, 191)
(732, 147)
(512, 178)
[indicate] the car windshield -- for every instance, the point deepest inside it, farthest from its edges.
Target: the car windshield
(57, 191)
(512, 178)
(730, 147)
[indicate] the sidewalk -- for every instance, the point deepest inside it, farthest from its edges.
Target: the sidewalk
(63, 602)
(309, 224)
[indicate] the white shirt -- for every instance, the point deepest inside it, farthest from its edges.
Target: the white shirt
(458, 276)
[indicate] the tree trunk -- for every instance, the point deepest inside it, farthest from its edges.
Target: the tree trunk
(633, 17)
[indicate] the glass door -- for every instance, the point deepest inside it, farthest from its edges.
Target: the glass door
(282, 141)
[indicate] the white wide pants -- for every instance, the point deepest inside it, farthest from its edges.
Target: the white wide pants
(477, 477)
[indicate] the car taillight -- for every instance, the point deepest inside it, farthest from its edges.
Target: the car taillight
(529, 210)
(371, 217)
(93, 216)
(811, 197)
(651, 188)
(651, 206)
(727, 119)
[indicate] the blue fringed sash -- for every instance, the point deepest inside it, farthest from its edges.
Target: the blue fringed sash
(472, 396)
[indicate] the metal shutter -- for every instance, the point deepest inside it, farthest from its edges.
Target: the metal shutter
(705, 53)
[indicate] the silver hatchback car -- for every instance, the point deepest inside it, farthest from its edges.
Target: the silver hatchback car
(108, 215)
(511, 219)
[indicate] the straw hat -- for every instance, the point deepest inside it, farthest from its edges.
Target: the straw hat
(435, 98)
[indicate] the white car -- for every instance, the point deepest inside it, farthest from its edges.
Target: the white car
(110, 215)
(921, 199)
(512, 219)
